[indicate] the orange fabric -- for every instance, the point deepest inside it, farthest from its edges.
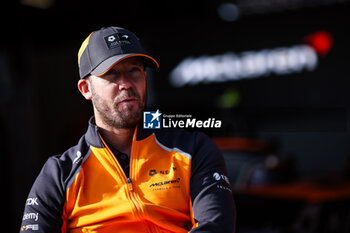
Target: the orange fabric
(100, 198)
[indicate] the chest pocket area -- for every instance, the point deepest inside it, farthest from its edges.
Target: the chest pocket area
(164, 179)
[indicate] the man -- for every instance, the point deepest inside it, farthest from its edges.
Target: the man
(120, 177)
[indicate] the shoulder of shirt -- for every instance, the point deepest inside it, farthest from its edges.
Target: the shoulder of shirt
(65, 165)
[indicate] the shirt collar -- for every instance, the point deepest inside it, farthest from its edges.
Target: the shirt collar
(93, 138)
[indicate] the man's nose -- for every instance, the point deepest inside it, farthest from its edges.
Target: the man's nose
(124, 82)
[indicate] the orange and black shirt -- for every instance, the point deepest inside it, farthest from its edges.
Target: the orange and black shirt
(176, 182)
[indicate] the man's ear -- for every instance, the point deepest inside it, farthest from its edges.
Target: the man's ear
(84, 86)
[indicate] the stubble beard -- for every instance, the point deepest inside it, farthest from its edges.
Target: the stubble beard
(120, 117)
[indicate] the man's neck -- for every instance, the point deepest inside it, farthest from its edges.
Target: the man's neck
(120, 139)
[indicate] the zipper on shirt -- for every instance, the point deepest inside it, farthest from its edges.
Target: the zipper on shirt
(131, 194)
(130, 185)
(137, 205)
(130, 188)
(136, 200)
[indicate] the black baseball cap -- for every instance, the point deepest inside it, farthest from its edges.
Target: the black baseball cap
(104, 48)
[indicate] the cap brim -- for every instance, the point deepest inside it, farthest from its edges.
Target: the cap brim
(107, 64)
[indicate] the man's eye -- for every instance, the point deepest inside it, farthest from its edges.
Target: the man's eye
(112, 72)
(135, 72)
(135, 69)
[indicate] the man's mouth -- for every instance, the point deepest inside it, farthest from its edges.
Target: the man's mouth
(129, 100)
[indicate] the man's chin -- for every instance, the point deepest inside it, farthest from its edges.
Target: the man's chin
(128, 118)
(129, 108)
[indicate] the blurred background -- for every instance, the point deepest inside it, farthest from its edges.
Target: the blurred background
(274, 71)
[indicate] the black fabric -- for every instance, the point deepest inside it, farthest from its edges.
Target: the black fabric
(123, 159)
(44, 206)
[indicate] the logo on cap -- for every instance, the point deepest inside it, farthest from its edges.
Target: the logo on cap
(111, 38)
(116, 40)
(125, 37)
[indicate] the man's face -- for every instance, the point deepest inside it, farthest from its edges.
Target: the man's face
(119, 96)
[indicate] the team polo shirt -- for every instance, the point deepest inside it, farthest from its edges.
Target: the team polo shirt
(177, 182)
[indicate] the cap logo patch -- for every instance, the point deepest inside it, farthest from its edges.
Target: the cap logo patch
(111, 38)
(116, 40)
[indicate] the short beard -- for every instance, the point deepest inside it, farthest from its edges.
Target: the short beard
(114, 117)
